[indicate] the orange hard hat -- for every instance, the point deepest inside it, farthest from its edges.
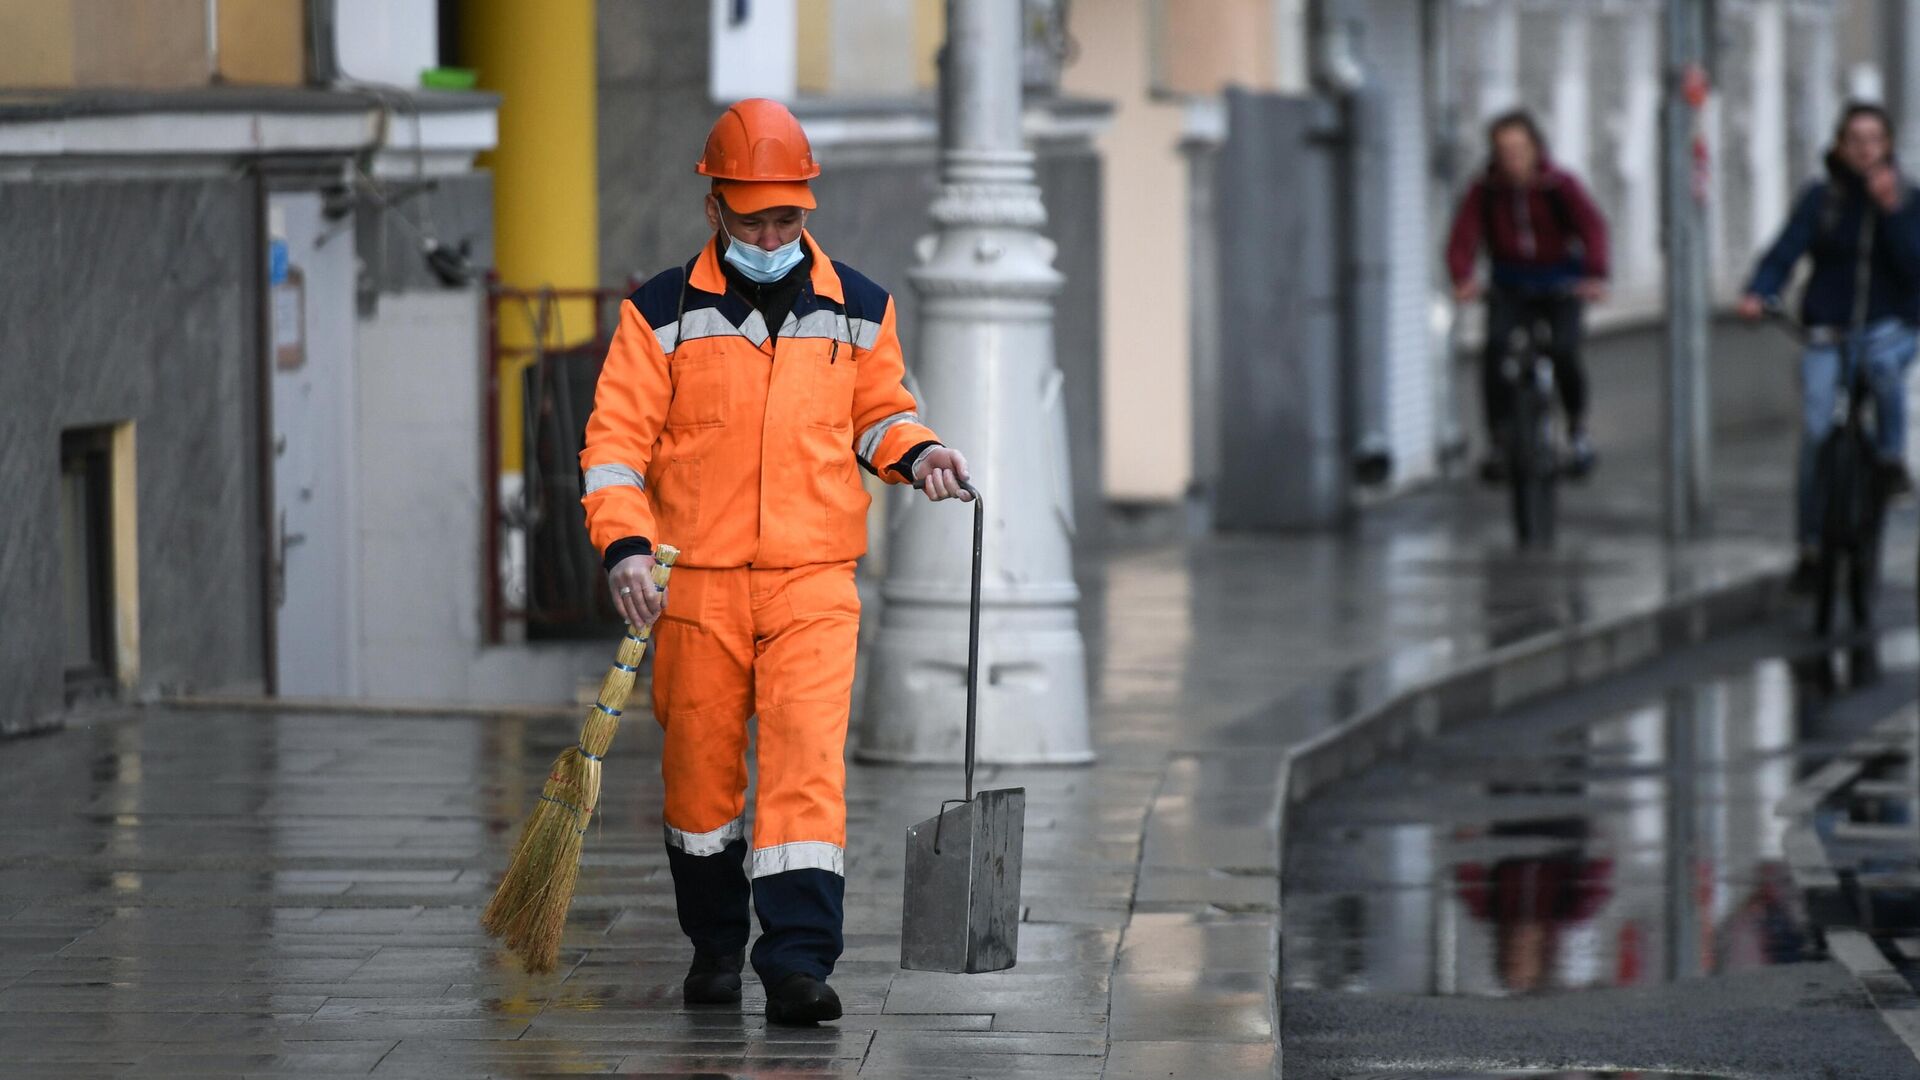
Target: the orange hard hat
(758, 156)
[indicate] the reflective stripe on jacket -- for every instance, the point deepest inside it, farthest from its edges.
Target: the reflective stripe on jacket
(739, 447)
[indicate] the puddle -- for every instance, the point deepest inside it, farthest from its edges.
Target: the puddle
(1541, 851)
(1511, 1075)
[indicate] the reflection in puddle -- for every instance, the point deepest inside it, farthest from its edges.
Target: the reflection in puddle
(1541, 852)
(1524, 1075)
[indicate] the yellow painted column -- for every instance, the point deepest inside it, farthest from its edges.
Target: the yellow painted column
(539, 57)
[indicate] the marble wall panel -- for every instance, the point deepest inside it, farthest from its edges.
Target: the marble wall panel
(133, 300)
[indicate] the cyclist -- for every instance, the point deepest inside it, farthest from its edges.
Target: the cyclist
(1547, 243)
(1831, 223)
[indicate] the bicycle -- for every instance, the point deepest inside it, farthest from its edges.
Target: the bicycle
(1531, 452)
(1850, 490)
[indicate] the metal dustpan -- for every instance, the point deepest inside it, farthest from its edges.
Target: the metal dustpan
(962, 910)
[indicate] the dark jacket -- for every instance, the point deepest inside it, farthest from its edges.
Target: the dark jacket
(1826, 224)
(1540, 238)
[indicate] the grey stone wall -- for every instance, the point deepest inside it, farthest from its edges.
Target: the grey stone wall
(1283, 443)
(454, 210)
(133, 300)
(653, 119)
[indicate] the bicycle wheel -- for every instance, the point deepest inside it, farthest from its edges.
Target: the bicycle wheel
(1530, 465)
(1826, 585)
(1847, 490)
(1863, 581)
(1521, 487)
(1865, 564)
(1537, 496)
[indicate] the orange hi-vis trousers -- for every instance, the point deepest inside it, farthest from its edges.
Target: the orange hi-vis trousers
(778, 644)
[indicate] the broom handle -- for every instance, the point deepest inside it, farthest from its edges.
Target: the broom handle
(973, 627)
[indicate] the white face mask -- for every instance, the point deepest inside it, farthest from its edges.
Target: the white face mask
(758, 264)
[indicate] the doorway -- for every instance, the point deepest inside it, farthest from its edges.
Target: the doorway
(309, 357)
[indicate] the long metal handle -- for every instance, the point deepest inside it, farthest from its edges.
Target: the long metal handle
(973, 627)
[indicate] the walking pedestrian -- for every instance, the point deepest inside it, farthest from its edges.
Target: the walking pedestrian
(742, 393)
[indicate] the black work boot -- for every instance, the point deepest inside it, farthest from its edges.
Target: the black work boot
(714, 978)
(801, 999)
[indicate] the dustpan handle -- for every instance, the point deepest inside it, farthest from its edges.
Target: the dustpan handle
(973, 623)
(973, 627)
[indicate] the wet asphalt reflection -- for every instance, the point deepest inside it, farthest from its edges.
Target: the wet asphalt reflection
(1509, 1074)
(1624, 837)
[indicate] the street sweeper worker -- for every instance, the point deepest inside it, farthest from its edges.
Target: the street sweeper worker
(743, 393)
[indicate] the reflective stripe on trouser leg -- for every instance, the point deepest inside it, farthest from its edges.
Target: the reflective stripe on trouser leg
(710, 842)
(702, 695)
(807, 623)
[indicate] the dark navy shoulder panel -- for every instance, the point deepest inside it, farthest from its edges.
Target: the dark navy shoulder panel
(865, 300)
(659, 299)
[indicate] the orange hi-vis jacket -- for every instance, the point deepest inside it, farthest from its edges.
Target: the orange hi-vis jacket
(740, 447)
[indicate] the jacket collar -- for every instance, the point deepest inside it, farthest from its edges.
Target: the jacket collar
(710, 278)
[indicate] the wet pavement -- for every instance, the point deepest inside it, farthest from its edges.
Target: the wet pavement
(1595, 880)
(1509, 1074)
(225, 893)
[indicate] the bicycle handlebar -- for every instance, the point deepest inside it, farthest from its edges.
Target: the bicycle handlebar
(1774, 311)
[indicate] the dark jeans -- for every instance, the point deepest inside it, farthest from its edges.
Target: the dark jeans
(1563, 316)
(1888, 347)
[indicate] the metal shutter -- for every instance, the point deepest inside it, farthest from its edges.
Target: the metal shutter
(1396, 64)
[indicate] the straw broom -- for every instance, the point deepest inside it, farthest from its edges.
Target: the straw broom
(529, 909)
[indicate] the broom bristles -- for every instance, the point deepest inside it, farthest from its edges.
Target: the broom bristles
(529, 909)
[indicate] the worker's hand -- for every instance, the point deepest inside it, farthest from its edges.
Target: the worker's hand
(940, 470)
(1883, 183)
(1592, 290)
(640, 601)
(1752, 306)
(1467, 291)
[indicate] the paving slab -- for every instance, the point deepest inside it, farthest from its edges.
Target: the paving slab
(249, 891)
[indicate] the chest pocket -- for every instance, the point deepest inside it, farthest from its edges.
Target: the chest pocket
(830, 393)
(821, 349)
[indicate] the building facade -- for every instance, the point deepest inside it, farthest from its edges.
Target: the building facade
(243, 367)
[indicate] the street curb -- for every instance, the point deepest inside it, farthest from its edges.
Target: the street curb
(1813, 873)
(32, 725)
(1514, 674)
(1521, 672)
(1892, 998)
